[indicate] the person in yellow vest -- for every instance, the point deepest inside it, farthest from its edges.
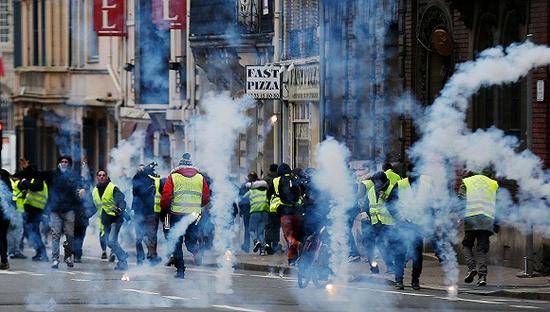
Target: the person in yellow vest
(392, 176)
(412, 217)
(185, 193)
(15, 234)
(480, 222)
(285, 199)
(259, 210)
(35, 202)
(146, 189)
(379, 205)
(109, 201)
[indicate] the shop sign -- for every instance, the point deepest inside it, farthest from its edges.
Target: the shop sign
(303, 83)
(170, 14)
(263, 82)
(109, 17)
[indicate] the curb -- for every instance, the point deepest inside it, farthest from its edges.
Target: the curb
(528, 295)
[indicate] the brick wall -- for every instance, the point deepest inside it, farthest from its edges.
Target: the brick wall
(539, 26)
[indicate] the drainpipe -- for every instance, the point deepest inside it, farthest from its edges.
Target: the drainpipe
(278, 104)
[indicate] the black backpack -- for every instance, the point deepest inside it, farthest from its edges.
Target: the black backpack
(289, 190)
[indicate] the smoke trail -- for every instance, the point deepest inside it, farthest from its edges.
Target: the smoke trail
(334, 179)
(446, 138)
(217, 134)
(67, 131)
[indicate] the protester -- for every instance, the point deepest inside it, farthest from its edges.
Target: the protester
(109, 200)
(5, 202)
(259, 210)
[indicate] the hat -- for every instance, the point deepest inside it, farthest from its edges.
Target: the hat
(186, 160)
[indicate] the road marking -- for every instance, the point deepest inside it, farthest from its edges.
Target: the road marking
(30, 273)
(388, 291)
(80, 280)
(468, 300)
(66, 272)
(179, 298)
(10, 272)
(235, 308)
(84, 273)
(525, 307)
(145, 292)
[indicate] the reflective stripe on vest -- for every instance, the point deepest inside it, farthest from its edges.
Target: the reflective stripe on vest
(156, 208)
(37, 199)
(392, 176)
(18, 196)
(187, 196)
(258, 200)
(377, 207)
(481, 196)
(275, 201)
(107, 201)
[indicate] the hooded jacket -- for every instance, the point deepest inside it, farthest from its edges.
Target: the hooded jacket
(63, 189)
(168, 189)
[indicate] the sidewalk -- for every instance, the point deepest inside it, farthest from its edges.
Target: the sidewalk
(502, 281)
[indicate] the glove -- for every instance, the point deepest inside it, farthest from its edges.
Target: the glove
(496, 228)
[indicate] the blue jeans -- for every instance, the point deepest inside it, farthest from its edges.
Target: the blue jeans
(258, 221)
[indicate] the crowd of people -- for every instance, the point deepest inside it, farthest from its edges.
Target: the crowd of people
(283, 200)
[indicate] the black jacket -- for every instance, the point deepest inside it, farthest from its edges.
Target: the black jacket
(63, 190)
(143, 189)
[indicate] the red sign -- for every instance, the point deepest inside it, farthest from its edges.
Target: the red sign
(109, 17)
(170, 14)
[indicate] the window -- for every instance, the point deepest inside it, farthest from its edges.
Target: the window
(4, 21)
(301, 134)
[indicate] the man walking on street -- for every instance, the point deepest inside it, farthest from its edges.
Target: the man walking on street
(273, 226)
(480, 223)
(109, 201)
(185, 194)
(66, 193)
(146, 188)
(259, 210)
(285, 200)
(36, 198)
(17, 223)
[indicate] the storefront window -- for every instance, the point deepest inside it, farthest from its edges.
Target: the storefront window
(301, 135)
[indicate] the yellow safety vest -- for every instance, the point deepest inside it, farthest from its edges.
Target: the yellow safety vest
(258, 200)
(276, 201)
(368, 184)
(37, 199)
(18, 196)
(377, 207)
(481, 196)
(392, 176)
(105, 203)
(158, 195)
(187, 196)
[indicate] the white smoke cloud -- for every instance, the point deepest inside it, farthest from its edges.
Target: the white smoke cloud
(334, 179)
(216, 135)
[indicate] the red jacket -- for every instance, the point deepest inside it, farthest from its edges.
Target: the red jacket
(168, 190)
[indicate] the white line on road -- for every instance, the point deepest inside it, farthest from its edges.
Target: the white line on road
(226, 307)
(525, 307)
(468, 300)
(66, 272)
(80, 280)
(30, 273)
(179, 298)
(10, 272)
(84, 273)
(145, 292)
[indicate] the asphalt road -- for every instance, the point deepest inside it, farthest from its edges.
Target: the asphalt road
(94, 285)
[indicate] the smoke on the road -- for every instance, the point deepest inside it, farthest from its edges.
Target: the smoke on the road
(216, 136)
(334, 180)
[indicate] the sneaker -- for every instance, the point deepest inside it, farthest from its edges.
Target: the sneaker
(374, 269)
(121, 266)
(55, 264)
(69, 261)
(180, 274)
(18, 256)
(470, 276)
(112, 257)
(482, 281)
(268, 249)
(77, 260)
(104, 256)
(4, 266)
(415, 285)
(354, 258)
(399, 286)
(257, 246)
